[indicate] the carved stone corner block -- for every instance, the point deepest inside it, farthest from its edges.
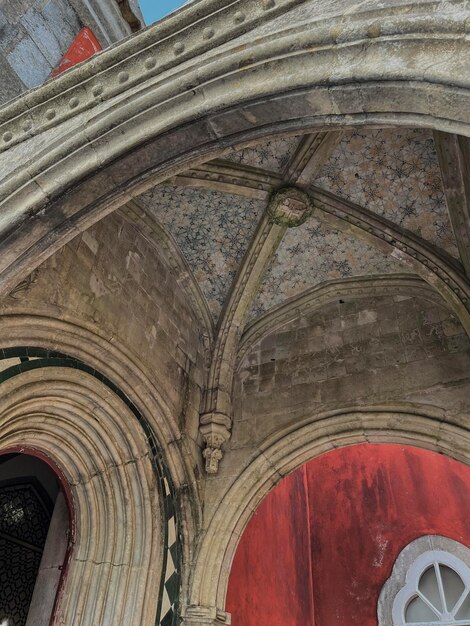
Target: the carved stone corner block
(289, 206)
(205, 615)
(18, 292)
(215, 430)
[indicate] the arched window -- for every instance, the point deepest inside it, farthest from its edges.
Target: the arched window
(437, 592)
(429, 585)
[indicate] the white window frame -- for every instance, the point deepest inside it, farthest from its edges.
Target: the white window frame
(411, 563)
(410, 590)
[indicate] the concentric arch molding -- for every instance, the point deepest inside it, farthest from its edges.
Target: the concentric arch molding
(285, 451)
(109, 473)
(195, 29)
(122, 368)
(199, 28)
(138, 384)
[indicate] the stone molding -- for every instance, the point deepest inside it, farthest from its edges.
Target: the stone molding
(313, 151)
(228, 177)
(80, 174)
(290, 448)
(192, 31)
(110, 477)
(199, 615)
(454, 160)
(120, 366)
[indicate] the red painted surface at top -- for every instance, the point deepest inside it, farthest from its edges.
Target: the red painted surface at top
(84, 46)
(365, 503)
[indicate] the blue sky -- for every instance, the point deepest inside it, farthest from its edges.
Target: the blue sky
(155, 9)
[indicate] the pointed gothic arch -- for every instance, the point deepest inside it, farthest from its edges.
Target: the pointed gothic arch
(284, 452)
(95, 415)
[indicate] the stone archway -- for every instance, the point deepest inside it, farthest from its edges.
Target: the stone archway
(80, 411)
(322, 544)
(179, 94)
(288, 450)
(71, 418)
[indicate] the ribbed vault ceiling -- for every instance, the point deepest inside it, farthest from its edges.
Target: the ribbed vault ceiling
(213, 211)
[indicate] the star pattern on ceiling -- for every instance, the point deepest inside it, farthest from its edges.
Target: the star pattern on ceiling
(273, 155)
(212, 229)
(391, 172)
(395, 173)
(312, 254)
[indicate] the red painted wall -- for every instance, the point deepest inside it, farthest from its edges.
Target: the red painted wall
(84, 46)
(270, 582)
(324, 540)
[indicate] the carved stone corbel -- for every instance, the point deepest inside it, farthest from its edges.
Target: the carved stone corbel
(288, 207)
(215, 430)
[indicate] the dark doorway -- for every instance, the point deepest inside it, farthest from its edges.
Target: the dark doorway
(33, 540)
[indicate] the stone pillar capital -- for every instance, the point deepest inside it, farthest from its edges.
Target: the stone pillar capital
(215, 430)
(204, 616)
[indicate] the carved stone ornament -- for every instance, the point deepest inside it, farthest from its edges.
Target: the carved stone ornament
(215, 434)
(212, 455)
(289, 207)
(21, 288)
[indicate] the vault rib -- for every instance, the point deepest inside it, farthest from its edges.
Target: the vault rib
(453, 152)
(286, 208)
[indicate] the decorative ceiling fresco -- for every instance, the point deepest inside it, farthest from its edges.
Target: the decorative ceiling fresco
(395, 173)
(392, 172)
(311, 254)
(212, 229)
(272, 156)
